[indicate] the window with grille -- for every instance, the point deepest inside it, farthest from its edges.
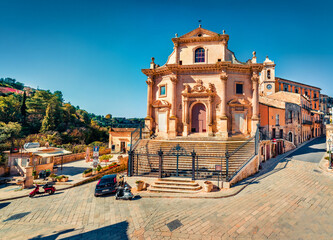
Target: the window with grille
(200, 55)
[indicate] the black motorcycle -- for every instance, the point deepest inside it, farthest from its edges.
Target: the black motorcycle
(124, 193)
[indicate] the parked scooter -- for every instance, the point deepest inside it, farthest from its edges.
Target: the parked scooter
(124, 193)
(47, 189)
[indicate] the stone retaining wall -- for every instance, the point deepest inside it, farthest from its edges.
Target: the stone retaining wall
(249, 169)
(77, 156)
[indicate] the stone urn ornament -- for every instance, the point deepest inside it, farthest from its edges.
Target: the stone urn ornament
(139, 185)
(208, 186)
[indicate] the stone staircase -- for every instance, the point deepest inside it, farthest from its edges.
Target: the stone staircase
(209, 152)
(174, 185)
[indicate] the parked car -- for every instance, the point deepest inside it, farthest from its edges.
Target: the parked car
(107, 184)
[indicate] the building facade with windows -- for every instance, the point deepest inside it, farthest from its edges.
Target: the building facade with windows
(203, 89)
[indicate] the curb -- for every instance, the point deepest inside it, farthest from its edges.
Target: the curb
(84, 181)
(22, 196)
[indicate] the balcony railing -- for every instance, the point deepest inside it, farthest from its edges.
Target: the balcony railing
(307, 108)
(307, 122)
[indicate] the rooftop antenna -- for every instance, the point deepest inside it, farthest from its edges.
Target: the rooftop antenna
(199, 23)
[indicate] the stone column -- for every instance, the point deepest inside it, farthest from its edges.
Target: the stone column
(255, 103)
(210, 116)
(173, 119)
(185, 119)
(29, 181)
(222, 124)
(224, 78)
(174, 96)
(149, 118)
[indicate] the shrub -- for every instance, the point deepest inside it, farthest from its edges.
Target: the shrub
(98, 168)
(88, 170)
(106, 157)
(53, 175)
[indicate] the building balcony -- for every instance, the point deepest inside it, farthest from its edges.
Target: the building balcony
(307, 108)
(307, 122)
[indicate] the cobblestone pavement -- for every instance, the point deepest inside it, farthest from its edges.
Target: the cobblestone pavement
(291, 200)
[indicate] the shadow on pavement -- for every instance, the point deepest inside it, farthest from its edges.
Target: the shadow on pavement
(16, 216)
(115, 231)
(71, 171)
(2, 205)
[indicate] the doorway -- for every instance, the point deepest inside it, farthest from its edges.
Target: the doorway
(198, 118)
(162, 122)
(123, 147)
(239, 122)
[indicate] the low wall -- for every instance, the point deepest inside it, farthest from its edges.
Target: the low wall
(77, 156)
(44, 167)
(289, 146)
(249, 169)
(4, 171)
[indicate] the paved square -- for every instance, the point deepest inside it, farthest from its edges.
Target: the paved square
(291, 200)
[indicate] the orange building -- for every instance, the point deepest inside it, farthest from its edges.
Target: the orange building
(272, 126)
(120, 139)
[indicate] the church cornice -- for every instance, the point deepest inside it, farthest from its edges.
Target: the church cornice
(219, 66)
(216, 38)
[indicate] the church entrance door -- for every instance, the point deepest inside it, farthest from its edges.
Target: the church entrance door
(239, 122)
(162, 122)
(198, 118)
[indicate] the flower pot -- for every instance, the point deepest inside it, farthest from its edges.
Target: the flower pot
(87, 174)
(208, 186)
(139, 186)
(64, 179)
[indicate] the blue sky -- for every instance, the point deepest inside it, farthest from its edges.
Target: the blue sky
(93, 51)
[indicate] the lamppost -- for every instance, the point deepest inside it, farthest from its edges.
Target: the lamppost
(329, 141)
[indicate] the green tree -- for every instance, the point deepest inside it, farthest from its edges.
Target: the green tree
(23, 108)
(10, 108)
(9, 131)
(48, 123)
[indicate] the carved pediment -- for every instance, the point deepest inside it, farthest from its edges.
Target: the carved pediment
(238, 102)
(200, 88)
(198, 32)
(161, 104)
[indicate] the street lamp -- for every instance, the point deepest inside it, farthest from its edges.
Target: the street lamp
(329, 141)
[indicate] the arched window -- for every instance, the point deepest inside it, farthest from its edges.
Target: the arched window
(269, 74)
(200, 55)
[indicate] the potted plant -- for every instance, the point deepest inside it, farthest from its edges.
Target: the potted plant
(53, 177)
(34, 174)
(64, 178)
(87, 172)
(208, 186)
(99, 168)
(139, 185)
(58, 178)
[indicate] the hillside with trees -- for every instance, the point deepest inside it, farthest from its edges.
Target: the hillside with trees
(43, 116)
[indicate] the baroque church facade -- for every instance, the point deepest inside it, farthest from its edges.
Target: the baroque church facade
(203, 89)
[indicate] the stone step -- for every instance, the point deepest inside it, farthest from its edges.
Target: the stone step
(175, 187)
(165, 190)
(176, 180)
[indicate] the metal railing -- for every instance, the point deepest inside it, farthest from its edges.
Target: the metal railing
(307, 122)
(181, 161)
